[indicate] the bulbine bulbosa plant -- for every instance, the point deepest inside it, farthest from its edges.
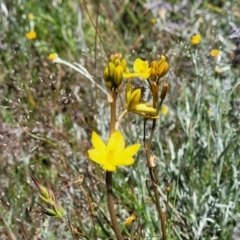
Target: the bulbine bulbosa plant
(113, 154)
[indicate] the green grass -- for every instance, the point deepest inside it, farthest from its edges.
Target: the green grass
(48, 112)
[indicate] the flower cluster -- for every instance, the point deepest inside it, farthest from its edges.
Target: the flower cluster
(113, 73)
(113, 154)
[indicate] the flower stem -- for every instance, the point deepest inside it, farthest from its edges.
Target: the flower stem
(109, 174)
(153, 176)
(111, 206)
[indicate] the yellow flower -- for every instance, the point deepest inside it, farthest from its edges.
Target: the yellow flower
(140, 68)
(132, 101)
(164, 110)
(31, 35)
(129, 220)
(30, 16)
(153, 20)
(114, 154)
(196, 39)
(52, 56)
(214, 53)
(218, 69)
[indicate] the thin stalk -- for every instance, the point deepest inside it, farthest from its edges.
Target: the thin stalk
(109, 174)
(153, 176)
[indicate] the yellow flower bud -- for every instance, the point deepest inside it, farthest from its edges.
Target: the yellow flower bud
(117, 62)
(124, 64)
(115, 56)
(162, 69)
(106, 74)
(111, 68)
(118, 75)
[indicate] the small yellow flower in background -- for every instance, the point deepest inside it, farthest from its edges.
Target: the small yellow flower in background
(140, 68)
(164, 110)
(31, 35)
(30, 16)
(52, 56)
(218, 69)
(113, 154)
(129, 220)
(214, 52)
(153, 20)
(196, 39)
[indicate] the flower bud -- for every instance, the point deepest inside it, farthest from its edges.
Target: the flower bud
(117, 62)
(106, 74)
(111, 68)
(154, 89)
(153, 74)
(109, 84)
(115, 56)
(154, 65)
(118, 75)
(164, 91)
(162, 69)
(124, 64)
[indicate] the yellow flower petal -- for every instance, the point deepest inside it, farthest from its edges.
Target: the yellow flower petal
(131, 150)
(138, 65)
(97, 157)
(144, 108)
(123, 160)
(134, 99)
(98, 143)
(142, 68)
(115, 145)
(109, 167)
(129, 220)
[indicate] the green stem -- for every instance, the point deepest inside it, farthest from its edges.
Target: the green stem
(110, 200)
